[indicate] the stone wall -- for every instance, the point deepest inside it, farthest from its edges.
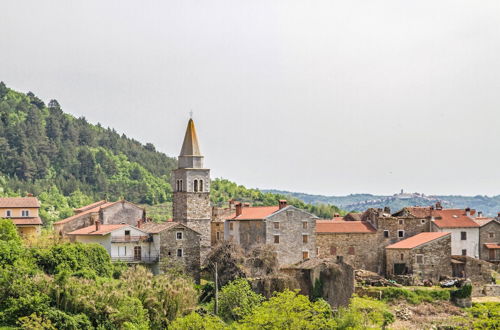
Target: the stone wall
(190, 245)
(491, 228)
(436, 259)
(364, 254)
(478, 271)
(194, 211)
(122, 212)
(77, 223)
(294, 224)
(249, 233)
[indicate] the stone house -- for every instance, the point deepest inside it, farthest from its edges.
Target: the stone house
(107, 213)
(478, 271)
(23, 212)
(464, 230)
(175, 242)
(290, 230)
(489, 239)
(353, 242)
(426, 255)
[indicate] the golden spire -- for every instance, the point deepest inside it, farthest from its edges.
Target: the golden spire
(190, 147)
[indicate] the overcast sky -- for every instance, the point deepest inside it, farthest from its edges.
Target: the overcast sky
(328, 97)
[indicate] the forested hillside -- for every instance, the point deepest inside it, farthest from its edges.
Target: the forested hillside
(68, 162)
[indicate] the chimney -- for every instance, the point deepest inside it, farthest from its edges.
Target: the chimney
(336, 215)
(467, 211)
(439, 206)
(231, 204)
(282, 203)
(498, 214)
(238, 209)
(29, 195)
(139, 223)
(480, 214)
(97, 225)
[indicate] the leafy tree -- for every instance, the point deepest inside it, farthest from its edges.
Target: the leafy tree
(195, 321)
(289, 310)
(237, 300)
(364, 313)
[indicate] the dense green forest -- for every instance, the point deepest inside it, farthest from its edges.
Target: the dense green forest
(67, 162)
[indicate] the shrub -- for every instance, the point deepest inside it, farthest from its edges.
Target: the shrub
(415, 296)
(195, 321)
(364, 313)
(464, 292)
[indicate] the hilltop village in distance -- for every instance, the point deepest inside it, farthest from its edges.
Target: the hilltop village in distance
(416, 246)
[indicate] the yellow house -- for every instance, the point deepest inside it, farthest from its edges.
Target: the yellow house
(23, 212)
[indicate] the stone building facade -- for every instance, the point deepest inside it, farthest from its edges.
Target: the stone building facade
(489, 239)
(191, 184)
(175, 242)
(425, 255)
(291, 231)
(120, 212)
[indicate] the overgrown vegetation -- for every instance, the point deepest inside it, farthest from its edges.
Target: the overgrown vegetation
(414, 296)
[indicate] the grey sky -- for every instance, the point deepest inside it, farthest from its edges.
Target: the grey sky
(330, 97)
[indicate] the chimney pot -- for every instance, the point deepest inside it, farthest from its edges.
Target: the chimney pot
(97, 225)
(467, 211)
(282, 203)
(139, 223)
(498, 214)
(480, 214)
(238, 209)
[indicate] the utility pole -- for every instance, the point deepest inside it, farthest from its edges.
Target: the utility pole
(216, 291)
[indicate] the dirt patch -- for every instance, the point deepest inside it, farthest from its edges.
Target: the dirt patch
(424, 315)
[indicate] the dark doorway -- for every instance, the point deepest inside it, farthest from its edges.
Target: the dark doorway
(137, 252)
(399, 269)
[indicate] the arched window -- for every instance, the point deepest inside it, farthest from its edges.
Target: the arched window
(195, 185)
(180, 185)
(201, 185)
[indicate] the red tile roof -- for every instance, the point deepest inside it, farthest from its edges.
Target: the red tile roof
(492, 246)
(90, 206)
(19, 202)
(27, 221)
(419, 211)
(103, 230)
(417, 240)
(92, 210)
(453, 218)
(483, 220)
(341, 226)
(254, 213)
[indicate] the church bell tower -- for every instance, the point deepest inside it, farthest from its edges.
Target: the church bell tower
(191, 185)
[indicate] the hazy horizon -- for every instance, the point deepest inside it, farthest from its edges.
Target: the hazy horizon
(327, 98)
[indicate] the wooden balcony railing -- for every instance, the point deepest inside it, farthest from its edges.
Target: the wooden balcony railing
(128, 238)
(136, 259)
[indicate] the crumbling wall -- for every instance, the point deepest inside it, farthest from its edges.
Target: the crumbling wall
(478, 271)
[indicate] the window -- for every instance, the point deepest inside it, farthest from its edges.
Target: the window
(491, 235)
(401, 233)
(351, 250)
(386, 233)
(127, 232)
(179, 252)
(463, 235)
(231, 226)
(8, 213)
(333, 250)
(317, 251)
(178, 235)
(276, 239)
(195, 185)
(305, 254)
(304, 225)
(401, 222)
(137, 252)
(305, 239)
(25, 213)
(402, 256)
(276, 225)
(422, 221)
(201, 185)
(218, 236)
(464, 252)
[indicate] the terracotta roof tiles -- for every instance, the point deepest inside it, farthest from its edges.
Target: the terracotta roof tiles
(453, 218)
(103, 230)
(341, 226)
(417, 240)
(254, 213)
(91, 210)
(27, 221)
(19, 202)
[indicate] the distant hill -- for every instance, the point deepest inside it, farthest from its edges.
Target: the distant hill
(360, 202)
(68, 162)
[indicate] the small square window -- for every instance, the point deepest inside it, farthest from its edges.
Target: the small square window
(178, 235)
(8, 213)
(464, 252)
(127, 232)
(276, 225)
(305, 239)
(401, 233)
(401, 222)
(25, 213)
(402, 256)
(179, 252)
(420, 259)
(463, 235)
(304, 225)
(386, 233)
(305, 254)
(276, 239)
(351, 250)
(491, 235)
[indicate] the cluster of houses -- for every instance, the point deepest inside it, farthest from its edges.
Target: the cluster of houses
(426, 242)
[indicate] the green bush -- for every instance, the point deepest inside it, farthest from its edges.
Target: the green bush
(485, 315)
(464, 292)
(415, 296)
(364, 313)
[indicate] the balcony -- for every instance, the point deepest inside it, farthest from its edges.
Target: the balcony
(128, 238)
(146, 260)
